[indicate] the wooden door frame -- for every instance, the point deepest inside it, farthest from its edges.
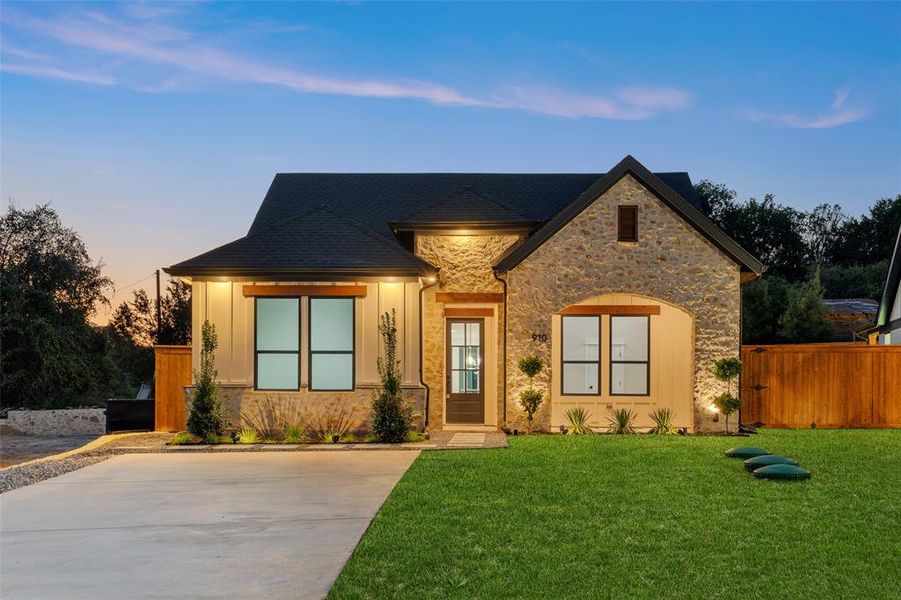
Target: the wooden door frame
(448, 370)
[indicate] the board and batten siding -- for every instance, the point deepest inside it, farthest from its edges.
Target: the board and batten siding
(671, 368)
(224, 305)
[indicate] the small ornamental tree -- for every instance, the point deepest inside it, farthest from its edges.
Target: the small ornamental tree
(727, 370)
(391, 414)
(530, 399)
(205, 418)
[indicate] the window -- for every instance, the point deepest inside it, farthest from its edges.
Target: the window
(277, 344)
(581, 355)
(627, 224)
(331, 344)
(629, 349)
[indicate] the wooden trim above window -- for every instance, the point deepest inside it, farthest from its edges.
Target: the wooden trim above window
(338, 291)
(627, 223)
(468, 312)
(611, 309)
(468, 297)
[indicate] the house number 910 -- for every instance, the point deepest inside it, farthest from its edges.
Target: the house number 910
(539, 337)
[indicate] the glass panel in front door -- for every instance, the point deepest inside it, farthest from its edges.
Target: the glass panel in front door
(466, 358)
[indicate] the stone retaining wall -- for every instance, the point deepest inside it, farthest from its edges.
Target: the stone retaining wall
(63, 422)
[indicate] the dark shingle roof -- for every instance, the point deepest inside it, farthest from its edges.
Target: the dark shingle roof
(377, 199)
(318, 242)
(336, 223)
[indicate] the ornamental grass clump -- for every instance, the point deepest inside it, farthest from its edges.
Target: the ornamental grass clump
(248, 435)
(663, 421)
(622, 421)
(205, 417)
(578, 422)
(530, 399)
(727, 370)
(391, 414)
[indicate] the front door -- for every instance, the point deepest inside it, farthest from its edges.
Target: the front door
(465, 391)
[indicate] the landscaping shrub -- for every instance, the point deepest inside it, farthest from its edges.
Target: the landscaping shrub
(295, 434)
(663, 421)
(621, 421)
(530, 399)
(727, 370)
(205, 417)
(332, 421)
(183, 438)
(272, 417)
(391, 414)
(248, 435)
(578, 421)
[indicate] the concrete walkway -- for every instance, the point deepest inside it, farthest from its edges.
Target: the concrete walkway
(242, 525)
(15, 449)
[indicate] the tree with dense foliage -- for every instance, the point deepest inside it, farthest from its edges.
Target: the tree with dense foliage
(851, 254)
(134, 329)
(804, 319)
(205, 415)
(391, 414)
(52, 355)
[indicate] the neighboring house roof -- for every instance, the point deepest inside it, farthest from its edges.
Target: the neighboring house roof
(892, 280)
(851, 307)
(689, 211)
(318, 243)
(294, 233)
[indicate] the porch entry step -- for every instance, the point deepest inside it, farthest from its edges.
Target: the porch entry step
(467, 440)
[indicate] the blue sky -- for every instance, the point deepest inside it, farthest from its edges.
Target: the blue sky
(155, 128)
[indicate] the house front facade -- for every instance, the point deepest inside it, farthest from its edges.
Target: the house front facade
(617, 281)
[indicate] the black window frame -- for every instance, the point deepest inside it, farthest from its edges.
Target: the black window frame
(620, 210)
(564, 362)
(647, 362)
(257, 352)
(352, 352)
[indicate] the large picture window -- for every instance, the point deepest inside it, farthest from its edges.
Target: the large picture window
(630, 343)
(331, 344)
(581, 355)
(277, 344)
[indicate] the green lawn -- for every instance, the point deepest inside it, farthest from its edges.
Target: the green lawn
(626, 516)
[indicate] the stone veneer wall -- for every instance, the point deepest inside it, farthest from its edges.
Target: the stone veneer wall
(671, 262)
(243, 400)
(62, 422)
(465, 263)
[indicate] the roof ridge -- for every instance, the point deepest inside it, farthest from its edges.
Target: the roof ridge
(444, 198)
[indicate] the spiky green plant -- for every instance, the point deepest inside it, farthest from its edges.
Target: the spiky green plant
(578, 422)
(248, 435)
(295, 434)
(621, 421)
(183, 438)
(663, 421)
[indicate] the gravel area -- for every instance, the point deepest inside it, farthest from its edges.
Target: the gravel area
(19, 448)
(21, 475)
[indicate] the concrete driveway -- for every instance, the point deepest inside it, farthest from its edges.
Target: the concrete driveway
(242, 525)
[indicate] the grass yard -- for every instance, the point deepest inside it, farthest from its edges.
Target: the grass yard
(639, 516)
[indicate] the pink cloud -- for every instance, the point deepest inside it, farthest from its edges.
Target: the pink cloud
(151, 42)
(45, 72)
(839, 114)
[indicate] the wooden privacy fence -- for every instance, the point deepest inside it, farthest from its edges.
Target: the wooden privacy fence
(829, 385)
(172, 373)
